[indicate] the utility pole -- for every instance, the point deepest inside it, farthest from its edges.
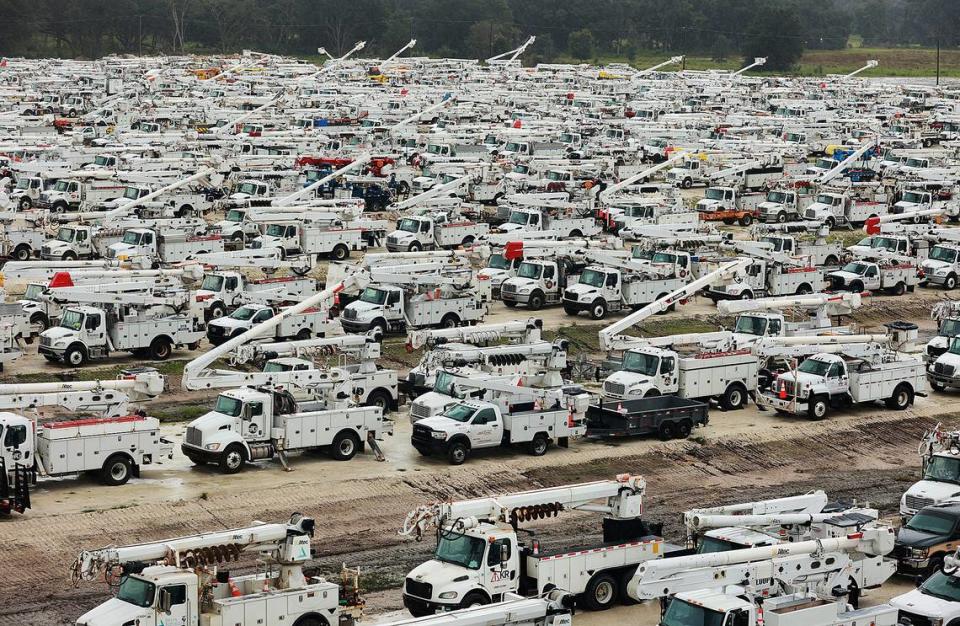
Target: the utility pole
(140, 35)
(938, 61)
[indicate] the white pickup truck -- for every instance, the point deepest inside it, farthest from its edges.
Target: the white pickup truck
(858, 276)
(309, 323)
(469, 425)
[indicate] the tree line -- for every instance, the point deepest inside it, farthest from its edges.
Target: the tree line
(566, 30)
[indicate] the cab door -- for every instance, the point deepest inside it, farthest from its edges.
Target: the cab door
(486, 429)
(254, 421)
(871, 278)
(501, 567)
(17, 445)
(837, 380)
(173, 607)
(94, 330)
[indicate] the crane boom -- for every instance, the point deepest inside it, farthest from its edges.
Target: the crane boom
(840, 301)
(109, 397)
(528, 330)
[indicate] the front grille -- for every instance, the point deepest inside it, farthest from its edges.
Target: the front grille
(256, 244)
(810, 214)
(915, 503)
(193, 437)
(789, 387)
(943, 369)
(421, 434)
(46, 341)
(569, 295)
(349, 314)
(416, 380)
(614, 389)
(913, 619)
(508, 288)
(899, 551)
(216, 331)
(392, 239)
(420, 411)
(419, 589)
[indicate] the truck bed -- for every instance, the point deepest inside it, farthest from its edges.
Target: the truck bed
(642, 416)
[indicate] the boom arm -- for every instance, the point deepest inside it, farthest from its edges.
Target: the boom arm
(109, 397)
(528, 331)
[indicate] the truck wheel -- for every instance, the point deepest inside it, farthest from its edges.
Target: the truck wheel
(116, 471)
(303, 334)
(746, 220)
(729, 221)
(310, 620)
(804, 289)
(569, 310)
(69, 256)
(217, 311)
(237, 237)
(733, 398)
(536, 301)
(40, 322)
(380, 325)
(746, 295)
(345, 445)
(899, 289)
(25, 203)
(457, 453)
(449, 321)
(60, 207)
(467, 241)
(625, 577)
(160, 349)
(22, 253)
(684, 428)
(781, 217)
(856, 286)
(901, 399)
(819, 408)
(380, 398)
(576, 233)
(185, 211)
(831, 260)
(472, 599)
(509, 304)
(539, 445)
(232, 459)
(601, 592)
(340, 252)
(950, 284)
(598, 310)
(687, 182)
(415, 247)
(75, 356)
(666, 431)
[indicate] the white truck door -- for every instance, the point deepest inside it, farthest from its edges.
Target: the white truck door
(17, 445)
(254, 421)
(94, 330)
(667, 381)
(173, 598)
(837, 381)
(486, 429)
(500, 568)
(871, 278)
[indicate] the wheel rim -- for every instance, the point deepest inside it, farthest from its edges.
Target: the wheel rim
(903, 399)
(75, 357)
(459, 454)
(216, 313)
(118, 471)
(233, 459)
(346, 446)
(604, 592)
(820, 409)
(598, 311)
(735, 398)
(540, 446)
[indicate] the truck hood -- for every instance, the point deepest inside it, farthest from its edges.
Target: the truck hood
(444, 424)
(57, 332)
(114, 611)
(917, 602)
(845, 276)
(936, 342)
(362, 307)
(212, 422)
(580, 289)
(707, 205)
(934, 490)
(121, 248)
(771, 205)
(521, 283)
(441, 574)
(510, 227)
(859, 250)
(401, 235)
(226, 225)
(228, 323)
(493, 274)
(239, 196)
(434, 402)
(628, 379)
(56, 244)
(905, 206)
(917, 539)
(820, 207)
(930, 266)
(801, 378)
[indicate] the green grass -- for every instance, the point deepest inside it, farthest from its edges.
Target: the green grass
(583, 337)
(182, 413)
(167, 368)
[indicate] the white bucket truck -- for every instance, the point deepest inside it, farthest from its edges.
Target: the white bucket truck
(159, 246)
(80, 242)
(435, 230)
(940, 481)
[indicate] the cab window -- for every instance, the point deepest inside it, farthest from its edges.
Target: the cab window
(871, 272)
(666, 365)
(774, 328)
(424, 227)
(16, 435)
(485, 416)
(612, 280)
(262, 316)
(493, 556)
(394, 297)
(178, 594)
(548, 271)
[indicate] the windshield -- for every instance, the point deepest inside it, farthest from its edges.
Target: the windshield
(520, 169)
(276, 230)
(777, 196)
(23, 183)
(884, 243)
(212, 282)
(460, 413)
(228, 406)
(513, 147)
(131, 237)
(828, 200)
(641, 363)
(949, 328)
(372, 295)
(498, 262)
(60, 186)
(939, 253)
(247, 188)
(942, 586)
(750, 325)
(101, 160)
(529, 270)
(517, 217)
(273, 366)
(243, 313)
(66, 234)
(709, 545)
(930, 523)
(913, 197)
(664, 257)
(855, 268)
(556, 176)
(409, 225)
(776, 242)
(72, 320)
(679, 613)
(943, 469)
(234, 216)
(33, 292)
(136, 591)
(434, 148)
(460, 550)
(592, 278)
(131, 193)
(916, 163)
(815, 367)
(714, 194)
(566, 138)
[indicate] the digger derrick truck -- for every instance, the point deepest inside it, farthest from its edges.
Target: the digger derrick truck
(480, 555)
(184, 581)
(940, 461)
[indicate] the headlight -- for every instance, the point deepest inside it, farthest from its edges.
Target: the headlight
(212, 446)
(525, 290)
(448, 595)
(438, 435)
(919, 553)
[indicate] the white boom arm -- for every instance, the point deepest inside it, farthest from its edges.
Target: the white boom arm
(609, 334)
(123, 293)
(433, 192)
(109, 397)
(333, 61)
(839, 167)
(410, 44)
(27, 271)
(856, 346)
(787, 563)
(516, 52)
(607, 193)
(191, 550)
(430, 109)
(126, 207)
(528, 331)
(870, 65)
(670, 61)
(193, 373)
(812, 502)
(846, 302)
(621, 498)
(735, 169)
(345, 343)
(757, 62)
(360, 161)
(704, 522)
(229, 126)
(871, 226)
(551, 609)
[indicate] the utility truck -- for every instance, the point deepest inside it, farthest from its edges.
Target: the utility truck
(936, 600)
(541, 280)
(79, 194)
(480, 555)
(853, 373)
(184, 580)
(527, 416)
(314, 322)
(306, 238)
(891, 272)
(162, 246)
(942, 266)
(940, 479)
(947, 316)
(435, 230)
(80, 242)
(114, 446)
(565, 223)
(841, 207)
(783, 205)
(771, 274)
(783, 239)
(728, 205)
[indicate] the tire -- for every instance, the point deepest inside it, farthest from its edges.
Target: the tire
(729, 221)
(457, 453)
(415, 247)
(539, 445)
(598, 310)
(804, 289)
(474, 598)
(217, 311)
(345, 445)
(687, 183)
(831, 260)
(232, 459)
(237, 237)
(733, 398)
(467, 241)
(380, 324)
(22, 253)
(781, 217)
(901, 399)
(575, 233)
(936, 564)
(75, 356)
(819, 408)
(116, 471)
(569, 310)
(160, 349)
(510, 304)
(69, 256)
(450, 321)
(746, 295)
(899, 289)
(746, 220)
(684, 428)
(340, 252)
(625, 578)
(666, 431)
(41, 321)
(536, 301)
(601, 593)
(310, 620)
(856, 286)
(25, 203)
(380, 398)
(60, 207)
(951, 283)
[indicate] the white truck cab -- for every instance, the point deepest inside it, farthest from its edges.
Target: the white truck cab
(942, 266)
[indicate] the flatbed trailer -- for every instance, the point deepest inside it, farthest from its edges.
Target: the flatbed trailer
(662, 415)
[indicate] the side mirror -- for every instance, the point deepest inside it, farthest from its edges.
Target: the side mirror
(504, 553)
(246, 412)
(165, 601)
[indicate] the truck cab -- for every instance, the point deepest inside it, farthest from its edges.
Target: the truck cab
(82, 333)
(218, 292)
(499, 269)
(913, 200)
(239, 418)
(160, 594)
(19, 442)
(522, 220)
(718, 199)
(63, 195)
(249, 190)
(927, 538)
(26, 192)
(222, 329)
(379, 307)
(936, 601)
(236, 226)
(136, 242)
(412, 234)
(938, 345)
(939, 483)
(130, 192)
(942, 266)
(779, 206)
(827, 208)
(538, 282)
(284, 237)
(644, 372)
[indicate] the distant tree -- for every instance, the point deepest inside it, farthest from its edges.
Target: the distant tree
(774, 34)
(721, 48)
(581, 44)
